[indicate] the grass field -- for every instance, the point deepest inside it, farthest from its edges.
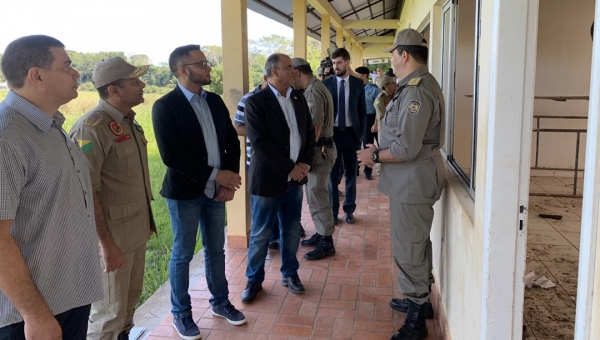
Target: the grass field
(159, 247)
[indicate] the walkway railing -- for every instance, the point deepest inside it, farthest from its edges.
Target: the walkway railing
(576, 169)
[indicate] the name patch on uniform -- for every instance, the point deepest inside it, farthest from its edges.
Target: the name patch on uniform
(116, 128)
(94, 119)
(413, 107)
(123, 138)
(85, 145)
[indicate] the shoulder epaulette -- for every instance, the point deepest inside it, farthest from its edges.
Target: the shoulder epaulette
(414, 82)
(94, 119)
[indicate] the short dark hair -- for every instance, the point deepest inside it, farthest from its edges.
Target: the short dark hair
(23, 54)
(419, 53)
(341, 52)
(103, 90)
(180, 53)
(304, 69)
(272, 61)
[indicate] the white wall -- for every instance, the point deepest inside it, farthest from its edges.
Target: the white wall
(563, 69)
(457, 260)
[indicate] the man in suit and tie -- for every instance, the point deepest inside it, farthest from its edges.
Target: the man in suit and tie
(199, 146)
(282, 135)
(350, 129)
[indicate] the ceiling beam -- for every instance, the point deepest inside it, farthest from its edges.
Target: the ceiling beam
(376, 39)
(368, 24)
(323, 6)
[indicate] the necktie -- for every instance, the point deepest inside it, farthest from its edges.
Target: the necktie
(342, 106)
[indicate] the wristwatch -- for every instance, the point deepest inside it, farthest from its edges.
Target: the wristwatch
(375, 157)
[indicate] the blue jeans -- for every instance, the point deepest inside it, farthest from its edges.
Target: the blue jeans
(275, 234)
(74, 325)
(186, 217)
(347, 144)
(265, 213)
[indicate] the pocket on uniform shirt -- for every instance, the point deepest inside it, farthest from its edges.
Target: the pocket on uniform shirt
(127, 158)
(124, 210)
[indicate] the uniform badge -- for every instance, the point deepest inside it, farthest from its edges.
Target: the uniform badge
(138, 127)
(311, 104)
(413, 107)
(116, 128)
(85, 145)
(414, 82)
(93, 119)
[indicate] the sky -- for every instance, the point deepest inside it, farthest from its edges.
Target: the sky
(151, 27)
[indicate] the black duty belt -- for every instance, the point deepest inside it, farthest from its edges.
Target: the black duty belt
(325, 141)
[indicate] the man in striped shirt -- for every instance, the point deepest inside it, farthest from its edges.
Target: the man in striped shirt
(49, 270)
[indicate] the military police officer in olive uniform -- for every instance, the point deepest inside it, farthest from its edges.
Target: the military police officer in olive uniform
(412, 174)
(317, 189)
(115, 147)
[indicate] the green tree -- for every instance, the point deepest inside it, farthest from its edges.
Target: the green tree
(216, 76)
(313, 53)
(214, 54)
(139, 59)
(271, 44)
(85, 63)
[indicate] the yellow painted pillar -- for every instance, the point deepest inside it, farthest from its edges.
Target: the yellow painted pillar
(350, 48)
(339, 37)
(235, 85)
(300, 29)
(325, 33)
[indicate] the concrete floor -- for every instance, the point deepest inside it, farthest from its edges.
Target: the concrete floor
(553, 251)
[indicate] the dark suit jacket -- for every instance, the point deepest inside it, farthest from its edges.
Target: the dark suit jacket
(181, 143)
(357, 105)
(270, 139)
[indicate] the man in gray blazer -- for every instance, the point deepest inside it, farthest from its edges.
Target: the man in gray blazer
(412, 175)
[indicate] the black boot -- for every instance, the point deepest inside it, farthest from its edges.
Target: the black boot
(324, 249)
(124, 335)
(312, 241)
(401, 305)
(415, 327)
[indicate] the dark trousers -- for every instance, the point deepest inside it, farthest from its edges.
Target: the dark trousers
(74, 325)
(370, 138)
(347, 143)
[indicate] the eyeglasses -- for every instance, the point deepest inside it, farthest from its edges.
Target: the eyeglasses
(202, 64)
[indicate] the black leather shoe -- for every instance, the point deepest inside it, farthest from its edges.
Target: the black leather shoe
(350, 219)
(401, 305)
(312, 241)
(293, 283)
(324, 249)
(250, 292)
(124, 335)
(274, 245)
(369, 177)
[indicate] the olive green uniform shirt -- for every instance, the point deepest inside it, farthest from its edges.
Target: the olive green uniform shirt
(320, 104)
(413, 132)
(116, 151)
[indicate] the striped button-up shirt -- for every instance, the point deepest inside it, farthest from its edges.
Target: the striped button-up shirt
(211, 141)
(45, 188)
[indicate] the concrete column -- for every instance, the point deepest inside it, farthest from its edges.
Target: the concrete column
(235, 85)
(339, 37)
(505, 108)
(587, 316)
(300, 28)
(325, 33)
